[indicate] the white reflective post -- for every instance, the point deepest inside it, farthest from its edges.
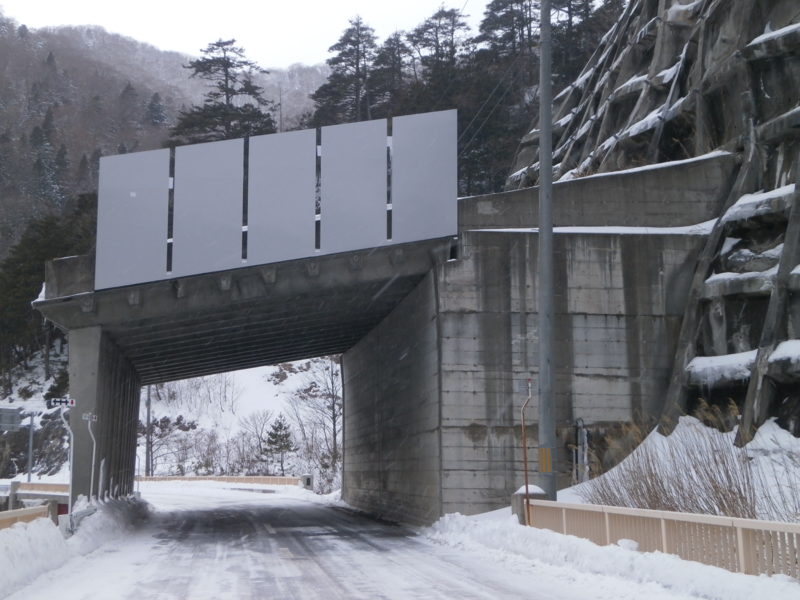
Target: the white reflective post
(91, 418)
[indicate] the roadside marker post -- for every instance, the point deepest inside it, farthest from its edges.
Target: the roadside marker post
(90, 418)
(69, 402)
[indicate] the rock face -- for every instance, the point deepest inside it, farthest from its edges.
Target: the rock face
(676, 79)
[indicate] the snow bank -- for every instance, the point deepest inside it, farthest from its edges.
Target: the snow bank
(29, 549)
(503, 537)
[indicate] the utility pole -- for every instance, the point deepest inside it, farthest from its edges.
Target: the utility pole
(547, 424)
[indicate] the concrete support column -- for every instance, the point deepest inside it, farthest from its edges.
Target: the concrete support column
(103, 382)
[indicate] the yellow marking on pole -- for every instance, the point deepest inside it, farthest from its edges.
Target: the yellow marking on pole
(545, 460)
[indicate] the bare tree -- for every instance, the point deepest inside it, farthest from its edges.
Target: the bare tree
(316, 410)
(254, 433)
(211, 393)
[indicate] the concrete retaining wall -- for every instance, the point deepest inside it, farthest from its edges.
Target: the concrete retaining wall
(619, 303)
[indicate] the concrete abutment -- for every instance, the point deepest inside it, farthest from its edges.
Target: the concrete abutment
(105, 384)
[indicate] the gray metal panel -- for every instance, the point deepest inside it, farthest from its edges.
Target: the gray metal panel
(282, 172)
(353, 186)
(207, 226)
(10, 419)
(132, 219)
(424, 173)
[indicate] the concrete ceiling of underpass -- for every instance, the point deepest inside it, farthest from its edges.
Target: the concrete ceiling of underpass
(252, 316)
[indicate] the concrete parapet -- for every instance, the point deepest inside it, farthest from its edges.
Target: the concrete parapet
(664, 195)
(69, 276)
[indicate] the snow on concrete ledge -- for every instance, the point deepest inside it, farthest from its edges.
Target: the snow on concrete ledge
(710, 371)
(774, 35)
(698, 229)
(662, 165)
(726, 284)
(762, 203)
(787, 351)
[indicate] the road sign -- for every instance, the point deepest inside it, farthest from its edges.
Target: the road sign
(67, 401)
(10, 419)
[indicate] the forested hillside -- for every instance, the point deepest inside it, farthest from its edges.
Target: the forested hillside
(490, 76)
(69, 95)
(63, 106)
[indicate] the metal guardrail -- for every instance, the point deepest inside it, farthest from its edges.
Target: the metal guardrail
(23, 515)
(739, 545)
(265, 480)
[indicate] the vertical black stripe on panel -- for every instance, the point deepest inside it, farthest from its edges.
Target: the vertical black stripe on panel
(389, 178)
(170, 208)
(245, 192)
(318, 192)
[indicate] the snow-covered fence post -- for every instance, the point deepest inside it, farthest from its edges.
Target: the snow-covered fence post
(740, 551)
(12, 495)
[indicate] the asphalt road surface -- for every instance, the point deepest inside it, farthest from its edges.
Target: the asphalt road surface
(279, 550)
(205, 543)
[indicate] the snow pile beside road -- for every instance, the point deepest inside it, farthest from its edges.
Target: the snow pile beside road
(500, 535)
(27, 550)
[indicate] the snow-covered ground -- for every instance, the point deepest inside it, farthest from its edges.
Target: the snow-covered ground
(770, 466)
(208, 540)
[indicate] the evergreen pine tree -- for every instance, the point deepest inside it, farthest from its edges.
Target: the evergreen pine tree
(388, 79)
(235, 105)
(156, 113)
(129, 107)
(345, 98)
(279, 440)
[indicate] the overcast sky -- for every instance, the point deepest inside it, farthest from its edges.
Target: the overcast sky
(274, 34)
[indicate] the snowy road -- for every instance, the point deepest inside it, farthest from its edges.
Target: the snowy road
(208, 542)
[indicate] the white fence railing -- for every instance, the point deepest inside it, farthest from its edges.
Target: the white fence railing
(741, 545)
(262, 480)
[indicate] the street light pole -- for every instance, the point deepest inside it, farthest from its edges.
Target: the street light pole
(547, 427)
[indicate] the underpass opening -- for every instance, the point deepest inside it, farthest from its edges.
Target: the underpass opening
(283, 420)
